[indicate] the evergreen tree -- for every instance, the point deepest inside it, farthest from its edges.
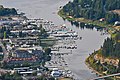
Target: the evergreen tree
(93, 9)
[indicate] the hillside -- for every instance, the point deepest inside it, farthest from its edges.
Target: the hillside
(93, 9)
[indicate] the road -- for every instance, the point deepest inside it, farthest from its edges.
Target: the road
(112, 75)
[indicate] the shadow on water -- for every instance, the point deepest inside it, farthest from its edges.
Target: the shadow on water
(83, 25)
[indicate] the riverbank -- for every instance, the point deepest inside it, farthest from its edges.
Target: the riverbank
(101, 69)
(110, 28)
(87, 21)
(92, 64)
(85, 46)
(95, 71)
(95, 66)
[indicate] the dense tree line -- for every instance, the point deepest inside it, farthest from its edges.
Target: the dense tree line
(112, 4)
(8, 76)
(111, 47)
(7, 11)
(4, 33)
(117, 36)
(93, 9)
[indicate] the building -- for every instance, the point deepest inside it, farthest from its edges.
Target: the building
(30, 55)
(117, 23)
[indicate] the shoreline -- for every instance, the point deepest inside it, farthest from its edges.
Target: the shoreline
(93, 70)
(73, 19)
(87, 21)
(99, 74)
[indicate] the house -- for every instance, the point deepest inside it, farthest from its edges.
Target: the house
(117, 23)
(102, 19)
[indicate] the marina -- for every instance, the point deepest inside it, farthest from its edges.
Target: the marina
(87, 40)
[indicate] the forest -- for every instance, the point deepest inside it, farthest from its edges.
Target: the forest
(111, 47)
(93, 9)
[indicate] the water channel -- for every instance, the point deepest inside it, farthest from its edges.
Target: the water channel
(47, 9)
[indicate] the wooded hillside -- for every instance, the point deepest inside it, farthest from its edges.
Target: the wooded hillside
(93, 9)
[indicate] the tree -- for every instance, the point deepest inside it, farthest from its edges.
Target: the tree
(7, 11)
(117, 37)
(20, 34)
(16, 76)
(41, 26)
(41, 78)
(1, 50)
(47, 51)
(8, 76)
(93, 9)
(4, 34)
(51, 78)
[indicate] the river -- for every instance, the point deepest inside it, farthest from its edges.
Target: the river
(47, 9)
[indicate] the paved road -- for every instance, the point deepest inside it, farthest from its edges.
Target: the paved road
(112, 75)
